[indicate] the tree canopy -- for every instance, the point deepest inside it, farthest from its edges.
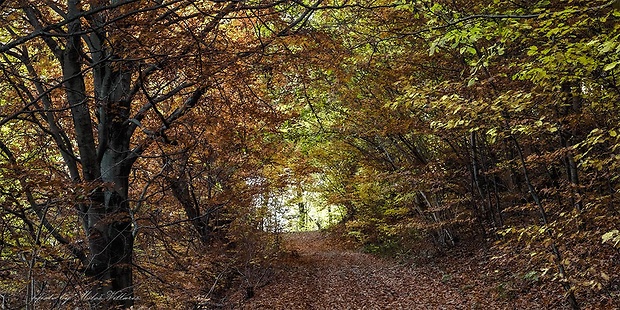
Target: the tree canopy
(151, 149)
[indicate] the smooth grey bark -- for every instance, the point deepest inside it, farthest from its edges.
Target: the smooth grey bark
(75, 90)
(106, 164)
(99, 80)
(106, 218)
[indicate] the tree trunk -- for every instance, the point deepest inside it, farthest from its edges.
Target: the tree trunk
(181, 190)
(106, 218)
(570, 295)
(572, 106)
(111, 249)
(109, 224)
(105, 167)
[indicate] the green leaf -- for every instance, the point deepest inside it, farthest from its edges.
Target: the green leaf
(610, 66)
(500, 51)
(433, 48)
(612, 235)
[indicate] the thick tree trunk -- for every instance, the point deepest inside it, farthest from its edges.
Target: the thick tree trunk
(109, 224)
(111, 246)
(97, 69)
(105, 215)
(106, 218)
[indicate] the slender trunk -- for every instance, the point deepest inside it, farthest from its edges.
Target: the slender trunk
(571, 106)
(488, 213)
(486, 160)
(181, 190)
(556, 252)
(612, 192)
(302, 209)
(497, 202)
(442, 232)
(475, 185)
(574, 180)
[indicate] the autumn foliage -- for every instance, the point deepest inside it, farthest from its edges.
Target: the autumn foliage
(148, 148)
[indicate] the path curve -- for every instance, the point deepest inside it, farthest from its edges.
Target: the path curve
(323, 275)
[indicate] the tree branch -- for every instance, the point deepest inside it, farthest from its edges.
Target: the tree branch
(40, 211)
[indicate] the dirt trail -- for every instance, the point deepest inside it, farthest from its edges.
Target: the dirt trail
(323, 275)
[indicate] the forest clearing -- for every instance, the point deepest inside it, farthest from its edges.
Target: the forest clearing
(181, 154)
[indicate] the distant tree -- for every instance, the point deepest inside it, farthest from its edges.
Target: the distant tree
(453, 119)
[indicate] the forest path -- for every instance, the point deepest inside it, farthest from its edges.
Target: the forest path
(322, 274)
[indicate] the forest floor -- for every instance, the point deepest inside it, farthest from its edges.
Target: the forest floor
(323, 273)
